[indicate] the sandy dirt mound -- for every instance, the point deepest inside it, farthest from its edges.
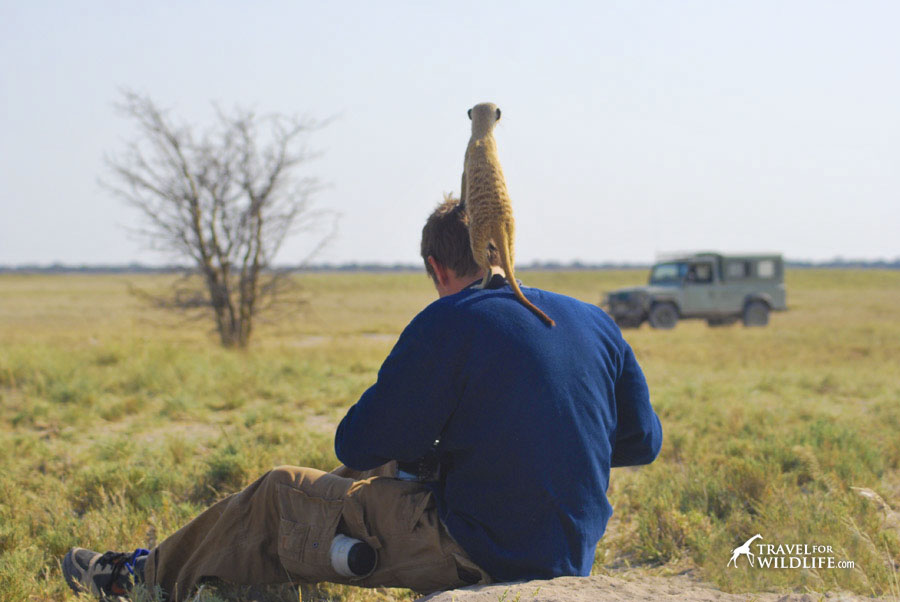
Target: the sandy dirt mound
(601, 587)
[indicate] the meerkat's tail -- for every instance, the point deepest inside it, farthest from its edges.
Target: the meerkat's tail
(506, 264)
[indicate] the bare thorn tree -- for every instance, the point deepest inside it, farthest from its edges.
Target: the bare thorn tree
(224, 201)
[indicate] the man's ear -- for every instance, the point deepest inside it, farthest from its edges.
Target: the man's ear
(440, 272)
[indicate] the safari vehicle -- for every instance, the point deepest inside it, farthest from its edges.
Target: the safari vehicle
(720, 289)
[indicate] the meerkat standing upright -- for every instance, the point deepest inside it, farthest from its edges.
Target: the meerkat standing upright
(487, 203)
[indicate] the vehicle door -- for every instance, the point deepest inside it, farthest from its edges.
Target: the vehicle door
(699, 288)
(738, 283)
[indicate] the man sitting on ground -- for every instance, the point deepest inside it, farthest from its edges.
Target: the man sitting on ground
(508, 428)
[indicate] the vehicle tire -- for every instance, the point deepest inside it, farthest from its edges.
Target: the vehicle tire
(663, 315)
(756, 313)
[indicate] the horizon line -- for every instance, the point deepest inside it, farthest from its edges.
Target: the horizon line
(139, 267)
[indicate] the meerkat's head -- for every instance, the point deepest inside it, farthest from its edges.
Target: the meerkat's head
(484, 116)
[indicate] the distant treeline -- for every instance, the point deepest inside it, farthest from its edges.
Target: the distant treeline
(139, 268)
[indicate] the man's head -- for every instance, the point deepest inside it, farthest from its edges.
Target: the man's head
(446, 250)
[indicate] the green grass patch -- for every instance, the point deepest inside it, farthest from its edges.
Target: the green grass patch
(118, 423)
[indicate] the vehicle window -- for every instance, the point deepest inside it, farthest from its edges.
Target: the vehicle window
(668, 273)
(735, 270)
(699, 273)
(765, 269)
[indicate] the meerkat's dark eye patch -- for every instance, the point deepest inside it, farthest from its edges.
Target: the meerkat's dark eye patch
(498, 113)
(470, 113)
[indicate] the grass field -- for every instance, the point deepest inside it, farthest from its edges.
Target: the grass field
(118, 423)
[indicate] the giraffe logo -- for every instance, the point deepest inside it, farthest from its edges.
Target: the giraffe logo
(745, 550)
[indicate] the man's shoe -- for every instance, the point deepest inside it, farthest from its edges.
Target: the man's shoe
(107, 576)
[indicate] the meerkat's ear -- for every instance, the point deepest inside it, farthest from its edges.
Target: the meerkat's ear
(498, 113)
(470, 113)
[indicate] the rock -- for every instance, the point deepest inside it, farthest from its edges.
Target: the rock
(599, 588)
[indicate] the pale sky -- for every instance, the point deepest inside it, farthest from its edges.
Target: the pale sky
(629, 128)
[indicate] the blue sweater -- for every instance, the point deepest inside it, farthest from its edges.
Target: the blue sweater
(529, 419)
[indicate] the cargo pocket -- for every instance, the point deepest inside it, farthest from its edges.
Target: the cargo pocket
(306, 528)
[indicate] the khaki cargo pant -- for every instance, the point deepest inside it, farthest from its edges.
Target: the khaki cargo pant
(279, 529)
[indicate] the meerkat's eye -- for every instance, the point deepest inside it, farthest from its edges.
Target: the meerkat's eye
(470, 113)
(498, 113)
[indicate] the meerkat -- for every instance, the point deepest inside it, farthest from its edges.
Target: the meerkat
(486, 201)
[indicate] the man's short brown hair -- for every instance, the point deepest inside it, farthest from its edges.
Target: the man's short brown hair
(446, 238)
